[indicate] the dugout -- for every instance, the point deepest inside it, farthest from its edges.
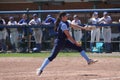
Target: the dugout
(62, 5)
(82, 11)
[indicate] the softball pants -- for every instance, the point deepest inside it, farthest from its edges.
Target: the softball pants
(59, 44)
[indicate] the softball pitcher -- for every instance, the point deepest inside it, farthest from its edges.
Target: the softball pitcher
(64, 39)
(106, 31)
(37, 32)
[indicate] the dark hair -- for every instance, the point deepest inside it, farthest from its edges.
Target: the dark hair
(61, 14)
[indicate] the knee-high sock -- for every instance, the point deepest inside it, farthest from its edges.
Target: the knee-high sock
(44, 64)
(83, 54)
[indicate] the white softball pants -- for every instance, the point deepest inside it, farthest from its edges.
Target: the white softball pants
(106, 32)
(14, 38)
(38, 36)
(95, 34)
(78, 35)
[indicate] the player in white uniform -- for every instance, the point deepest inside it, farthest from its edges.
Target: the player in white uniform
(119, 27)
(77, 33)
(3, 35)
(95, 34)
(106, 31)
(13, 34)
(37, 32)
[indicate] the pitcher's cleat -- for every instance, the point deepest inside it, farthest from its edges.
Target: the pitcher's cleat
(92, 61)
(39, 72)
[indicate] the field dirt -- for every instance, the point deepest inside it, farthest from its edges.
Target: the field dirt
(62, 68)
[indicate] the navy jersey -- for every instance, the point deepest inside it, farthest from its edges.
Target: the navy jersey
(25, 30)
(50, 20)
(62, 26)
(23, 21)
(1, 28)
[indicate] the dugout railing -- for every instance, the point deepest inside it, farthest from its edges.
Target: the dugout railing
(71, 11)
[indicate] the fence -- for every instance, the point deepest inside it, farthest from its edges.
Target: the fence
(73, 11)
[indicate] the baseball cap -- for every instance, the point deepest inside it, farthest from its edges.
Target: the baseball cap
(104, 13)
(67, 14)
(75, 16)
(48, 15)
(11, 17)
(96, 13)
(34, 15)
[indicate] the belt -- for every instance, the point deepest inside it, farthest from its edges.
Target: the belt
(77, 30)
(106, 27)
(36, 29)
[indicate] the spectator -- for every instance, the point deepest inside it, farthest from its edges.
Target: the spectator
(37, 32)
(77, 32)
(119, 26)
(50, 21)
(3, 35)
(25, 33)
(95, 34)
(13, 34)
(106, 31)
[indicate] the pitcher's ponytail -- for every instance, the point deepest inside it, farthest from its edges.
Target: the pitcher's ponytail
(57, 23)
(59, 19)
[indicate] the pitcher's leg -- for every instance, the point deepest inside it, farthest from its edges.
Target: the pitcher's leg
(78, 48)
(68, 44)
(53, 55)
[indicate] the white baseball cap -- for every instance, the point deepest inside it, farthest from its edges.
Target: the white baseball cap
(34, 15)
(75, 16)
(96, 13)
(68, 14)
(104, 13)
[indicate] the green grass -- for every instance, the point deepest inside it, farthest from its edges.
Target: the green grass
(24, 55)
(43, 54)
(61, 54)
